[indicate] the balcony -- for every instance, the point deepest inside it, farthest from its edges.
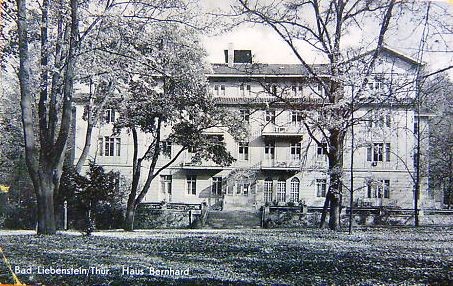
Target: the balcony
(214, 131)
(273, 131)
(280, 165)
(188, 164)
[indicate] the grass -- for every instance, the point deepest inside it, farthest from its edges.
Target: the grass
(374, 256)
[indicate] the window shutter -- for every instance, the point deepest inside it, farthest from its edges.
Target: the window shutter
(369, 152)
(387, 152)
(387, 189)
(118, 146)
(101, 147)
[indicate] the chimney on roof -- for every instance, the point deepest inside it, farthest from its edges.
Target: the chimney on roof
(229, 55)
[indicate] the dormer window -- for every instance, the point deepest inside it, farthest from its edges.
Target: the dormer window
(238, 56)
(375, 84)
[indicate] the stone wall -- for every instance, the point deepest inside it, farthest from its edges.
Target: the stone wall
(162, 219)
(296, 217)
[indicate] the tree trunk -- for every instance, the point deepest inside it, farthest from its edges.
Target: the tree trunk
(129, 219)
(335, 156)
(324, 212)
(334, 211)
(45, 163)
(46, 213)
(86, 148)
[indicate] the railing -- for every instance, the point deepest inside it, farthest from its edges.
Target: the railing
(187, 163)
(172, 206)
(280, 165)
(376, 202)
(287, 130)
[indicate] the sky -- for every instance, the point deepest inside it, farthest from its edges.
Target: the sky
(267, 47)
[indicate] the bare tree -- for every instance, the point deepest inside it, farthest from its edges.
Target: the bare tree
(50, 49)
(45, 154)
(322, 25)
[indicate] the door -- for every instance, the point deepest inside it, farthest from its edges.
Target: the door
(166, 187)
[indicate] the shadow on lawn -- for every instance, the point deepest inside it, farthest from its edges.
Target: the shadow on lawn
(246, 257)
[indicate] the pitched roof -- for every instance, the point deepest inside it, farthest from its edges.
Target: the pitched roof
(290, 70)
(401, 55)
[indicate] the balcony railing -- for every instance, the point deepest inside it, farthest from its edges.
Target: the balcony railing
(187, 163)
(291, 131)
(289, 165)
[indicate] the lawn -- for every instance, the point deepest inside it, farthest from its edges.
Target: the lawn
(373, 256)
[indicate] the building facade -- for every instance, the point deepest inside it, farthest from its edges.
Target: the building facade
(279, 163)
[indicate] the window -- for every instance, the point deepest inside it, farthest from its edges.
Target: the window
(296, 149)
(274, 90)
(321, 187)
(377, 153)
(416, 127)
(230, 190)
(243, 188)
(219, 89)
(245, 87)
(320, 151)
(270, 116)
(268, 190)
(191, 185)
(243, 150)
(165, 184)
(242, 56)
(387, 152)
(297, 90)
(281, 191)
(165, 148)
(375, 84)
(379, 119)
(245, 115)
(294, 192)
(216, 187)
(296, 117)
(109, 146)
(379, 189)
(269, 150)
(319, 90)
(109, 115)
(191, 149)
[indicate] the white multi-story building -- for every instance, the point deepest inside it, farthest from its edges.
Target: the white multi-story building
(279, 163)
